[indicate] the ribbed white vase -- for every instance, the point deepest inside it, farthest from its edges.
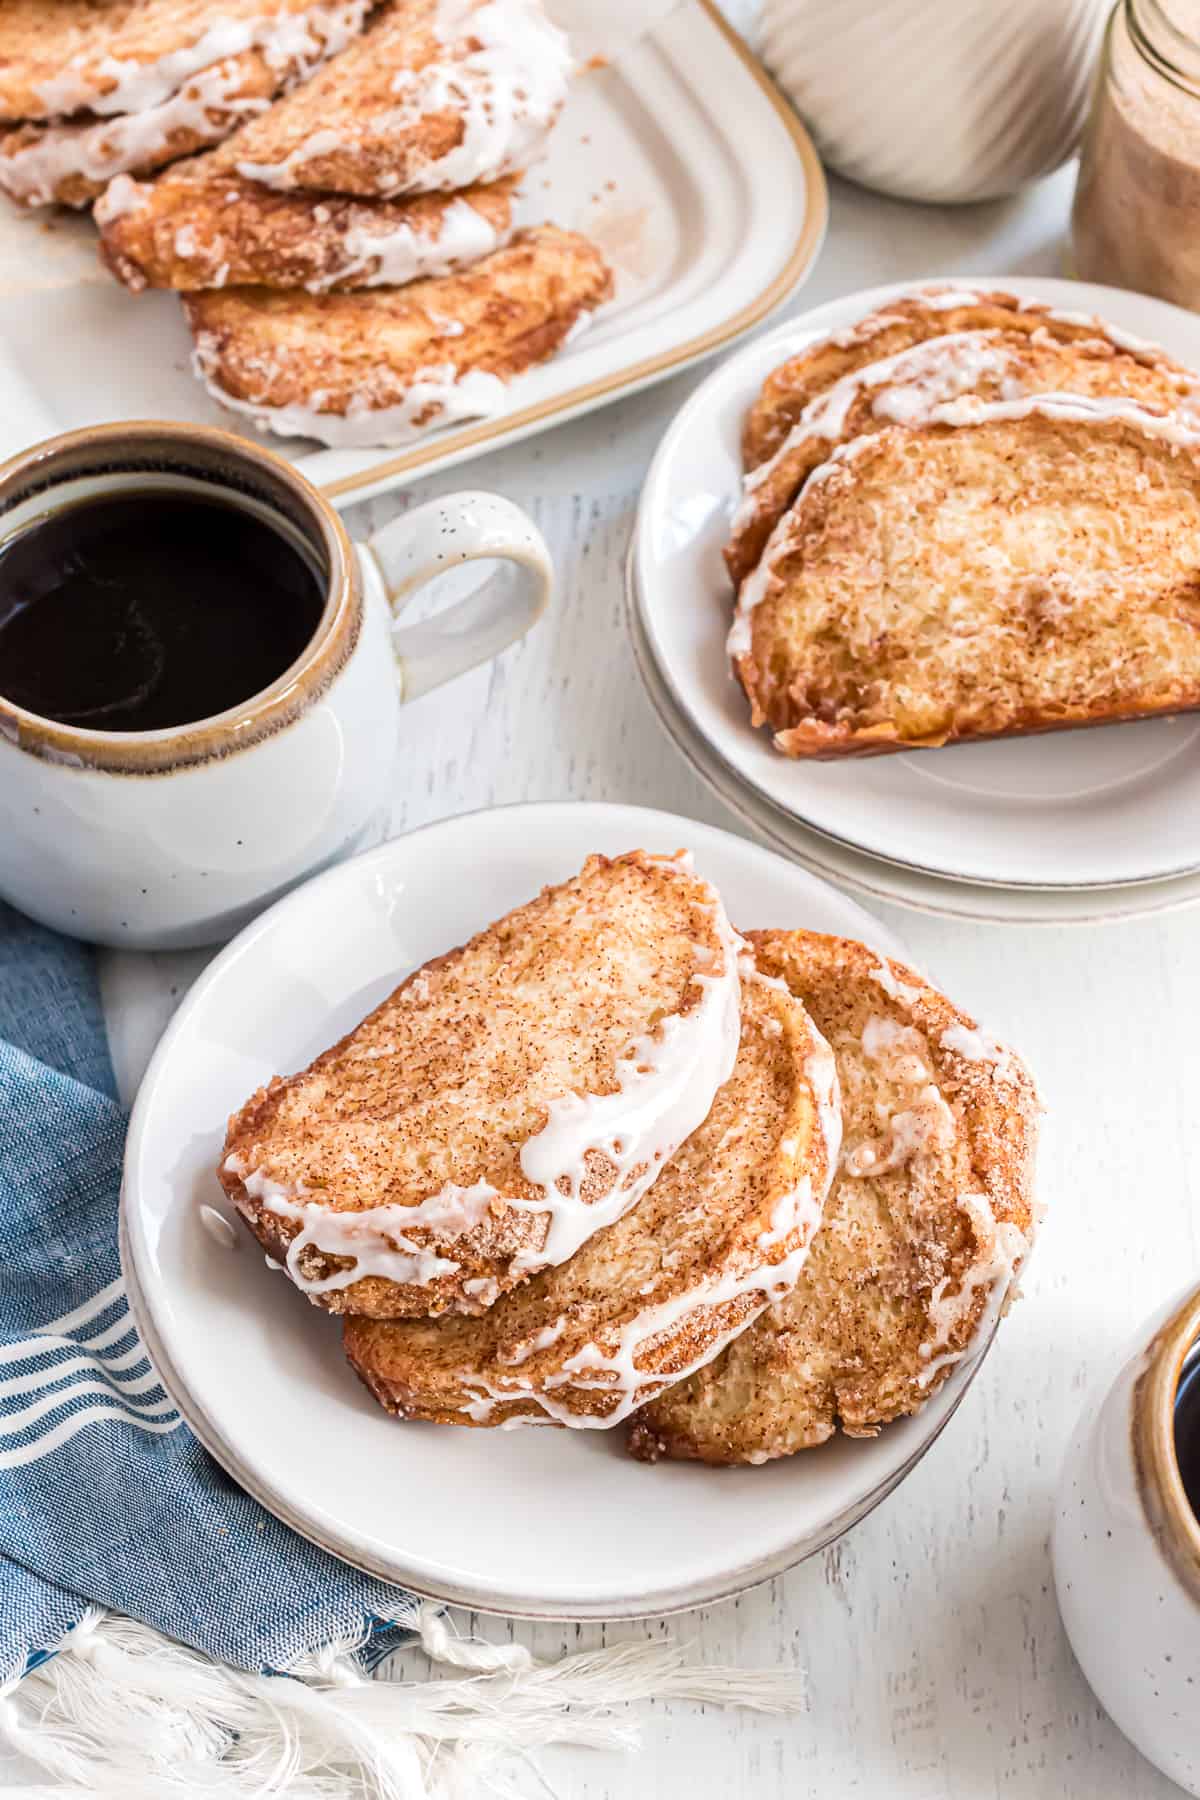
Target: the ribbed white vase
(942, 100)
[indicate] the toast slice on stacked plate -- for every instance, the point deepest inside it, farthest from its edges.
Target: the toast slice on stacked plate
(967, 517)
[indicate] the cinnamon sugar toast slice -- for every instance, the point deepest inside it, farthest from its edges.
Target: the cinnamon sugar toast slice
(68, 162)
(381, 365)
(724, 1229)
(196, 227)
(1007, 567)
(437, 95)
(123, 56)
(505, 1103)
(925, 1230)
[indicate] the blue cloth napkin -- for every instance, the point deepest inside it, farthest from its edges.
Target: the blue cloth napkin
(105, 1496)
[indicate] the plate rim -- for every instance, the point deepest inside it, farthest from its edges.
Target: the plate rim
(672, 1597)
(695, 406)
(739, 797)
(493, 433)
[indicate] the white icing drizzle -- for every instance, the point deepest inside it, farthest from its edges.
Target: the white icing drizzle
(821, 1072)
(122, 196)
(884, 973)
(218, 1227)
(207, 107)
(374, 1241)
(400, 253)
(945, 299)
(540, 1340)
(1124, 340)
(666, 1081)
(435, 397)
(1001, 1245)
(977, 1046)
(125, 85)
(508, 93)
(924, 1123)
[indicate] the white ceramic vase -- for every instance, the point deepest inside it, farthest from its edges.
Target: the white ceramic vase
(933, 100)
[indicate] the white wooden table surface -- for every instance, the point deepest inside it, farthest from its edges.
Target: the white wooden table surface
(937, 1666)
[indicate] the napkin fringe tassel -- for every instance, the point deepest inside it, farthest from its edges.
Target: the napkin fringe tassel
(123, 1713)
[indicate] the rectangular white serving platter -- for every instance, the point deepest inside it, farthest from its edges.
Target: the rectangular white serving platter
(679, 158)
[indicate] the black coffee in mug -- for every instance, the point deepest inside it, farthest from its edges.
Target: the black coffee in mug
(147, 609)
(1187, 1427)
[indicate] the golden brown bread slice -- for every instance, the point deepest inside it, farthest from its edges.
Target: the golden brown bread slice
(925, 1228)
(996, 364)
(437, 95)
(898, 325)
(1010, 567)
(724, 1229)
(506, 1102)
(124, 56)
(379, 366)
(195, 227)
(70, 162)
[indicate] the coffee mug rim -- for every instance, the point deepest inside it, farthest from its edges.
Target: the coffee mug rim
(264, 713)
(1160, 1479)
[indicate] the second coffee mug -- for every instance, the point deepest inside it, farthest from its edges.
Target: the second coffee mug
(174, 836)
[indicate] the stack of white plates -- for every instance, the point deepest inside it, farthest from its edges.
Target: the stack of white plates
(1083, 825)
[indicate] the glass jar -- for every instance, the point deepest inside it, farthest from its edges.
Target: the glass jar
(1136, 221)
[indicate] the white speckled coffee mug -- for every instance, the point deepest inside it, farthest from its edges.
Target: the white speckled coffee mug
(1127, 1551)
(165, 839)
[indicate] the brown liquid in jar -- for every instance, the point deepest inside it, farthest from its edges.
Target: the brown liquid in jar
(1136, 219)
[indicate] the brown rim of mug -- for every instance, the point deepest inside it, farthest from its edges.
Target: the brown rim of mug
(1175, 1526)
(158, 446)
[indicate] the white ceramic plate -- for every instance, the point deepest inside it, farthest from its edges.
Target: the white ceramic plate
(1074, 809)
(708, 226)
(550, 1523)
(874, 878)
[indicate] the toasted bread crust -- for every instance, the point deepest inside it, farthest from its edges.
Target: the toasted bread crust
(727, 1222)
(489, 1106)
(1061, 590)
(195, 228)
(925, 1229)
(359, 354)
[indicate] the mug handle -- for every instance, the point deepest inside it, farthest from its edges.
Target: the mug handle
(411, 550)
